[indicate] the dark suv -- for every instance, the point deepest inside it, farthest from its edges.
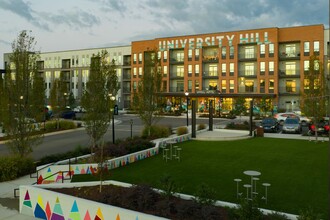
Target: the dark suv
(270, 125)
(68, 114)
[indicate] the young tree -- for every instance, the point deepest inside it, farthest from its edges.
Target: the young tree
(266, 104)
(314, 96)
(239, 106)
(96, 100)
(23, 101)
(57, 98)
(146, 100)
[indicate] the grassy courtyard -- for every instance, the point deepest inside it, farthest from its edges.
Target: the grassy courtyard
(296, 170)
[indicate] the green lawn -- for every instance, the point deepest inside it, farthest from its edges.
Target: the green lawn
(296, 169)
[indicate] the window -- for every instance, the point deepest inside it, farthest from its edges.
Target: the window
(271, 67)
(290, 86)
(189, 70)
(306, 65)
(223, 86)
(197, 70)
(290, 68)
(134, 58)
(159, 55)
(271, 50)
(164, 71)
(189, 85)
(223, 69)
(231, 52)
(179, 71)
(190, 55)
(249, 69)
(196, 85)
(262, 86)
(271, 86)
(290, 50)
(180, 86)
(196, 54)
(231, 69)
(134, 86)
(134, 71)
(249, 84)
(316, 65)
(140, 58)
(140, 71)
(262, 68)
(306, 84)
(213, 85)
(180, 57)
(213, 70)
(262, 50)
(231, 85)
(248, 52)
(223, 52)
(316, 47)
(306, 48)
(165, 56)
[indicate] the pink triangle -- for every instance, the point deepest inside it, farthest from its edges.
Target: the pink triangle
(27, 195)
(87, 216)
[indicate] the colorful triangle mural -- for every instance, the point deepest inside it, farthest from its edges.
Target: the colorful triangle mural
(99, 215)
(48, 210)
(87, 216)
(57, 211)
(39, 210)
(74, 214)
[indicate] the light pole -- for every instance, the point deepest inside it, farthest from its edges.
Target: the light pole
(131, 121)
(187, 94)
(65, 94)
(112, 99)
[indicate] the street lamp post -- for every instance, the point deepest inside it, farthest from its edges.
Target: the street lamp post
(131, 121)
(187, 94)
(65, 94)
(113, 98)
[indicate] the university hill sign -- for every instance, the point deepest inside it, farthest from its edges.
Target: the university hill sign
(199, 42)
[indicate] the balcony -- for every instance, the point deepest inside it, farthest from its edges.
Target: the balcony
(289, 74)
(210, 59)
(247, 74)
(289, 56)
(127, 76)
(247, 89)
(176, 60)
(289, 90)
(247, 56)
(210, 74)
(126, 89)
(176, 89)
(177, 75)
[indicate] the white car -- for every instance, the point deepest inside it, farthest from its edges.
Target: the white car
(79, 109)
(282, 116)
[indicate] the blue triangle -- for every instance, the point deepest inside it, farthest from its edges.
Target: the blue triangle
(74, 207)
(48, 169)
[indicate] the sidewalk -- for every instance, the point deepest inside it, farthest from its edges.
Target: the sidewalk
(9, 204)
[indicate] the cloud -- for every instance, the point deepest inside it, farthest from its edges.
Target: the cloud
(5, 42)
(75, 19)
(22, 9)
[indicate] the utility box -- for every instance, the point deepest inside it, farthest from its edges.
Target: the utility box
(260, 131)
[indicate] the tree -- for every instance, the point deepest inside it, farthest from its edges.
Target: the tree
(146, 100)
(57, 97)
(23, 101)
(314, 96)
(239, 106)
(96, 100)
(266, 104)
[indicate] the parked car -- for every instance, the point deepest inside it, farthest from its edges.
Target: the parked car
(270, 125)
(68, 114)
(282, 116)
(291, 125)
(79, 109)
(322, 127)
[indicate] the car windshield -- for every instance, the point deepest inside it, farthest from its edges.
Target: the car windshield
(291, 121)
(268, 121)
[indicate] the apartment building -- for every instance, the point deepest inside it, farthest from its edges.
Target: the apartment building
(256, 63)
(75, 66)
(268, 62)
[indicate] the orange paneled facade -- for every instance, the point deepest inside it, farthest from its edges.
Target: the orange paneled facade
(222, 66)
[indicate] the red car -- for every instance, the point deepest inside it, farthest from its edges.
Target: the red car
(322, 127)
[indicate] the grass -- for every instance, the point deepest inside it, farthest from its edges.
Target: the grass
(296, 169)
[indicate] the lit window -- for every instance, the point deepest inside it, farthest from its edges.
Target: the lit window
(316, 46)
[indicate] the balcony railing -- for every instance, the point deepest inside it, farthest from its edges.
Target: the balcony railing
(289, 56)
(176, 89)
(245, 73)
(247, 89)
(177, 60)
(126, 76)
(176, 75)
(247, 56)
(289, 90)
(210, 74)
(211, 59)
(289, 74)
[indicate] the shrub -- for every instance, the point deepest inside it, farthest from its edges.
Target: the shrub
(167, 186)
(201, 127)
(65, 125)
(14, 166)
(308, 214)
(205, 195)
(181, 131)
(156, 131)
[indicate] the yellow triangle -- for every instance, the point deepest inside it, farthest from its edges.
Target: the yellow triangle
(118, 217)
(99, 214)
